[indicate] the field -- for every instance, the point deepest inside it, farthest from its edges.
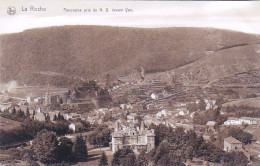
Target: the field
(7, 124)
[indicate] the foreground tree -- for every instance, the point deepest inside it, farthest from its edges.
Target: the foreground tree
(80, 149)
(123, 157)
(103, 160)
(45, 146)
(65, 149)
(235, 159)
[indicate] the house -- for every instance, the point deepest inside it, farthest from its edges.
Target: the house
(162, 114)
(71, 116)
(76, 126)
(126, 106)
(242, 120)
(131, 117)
(232, 121)
(40, 116)
(154, 96)
(53, 114)
(249, 121)
(210, 104)
(231, 144)
(137, 139)
(211, 126)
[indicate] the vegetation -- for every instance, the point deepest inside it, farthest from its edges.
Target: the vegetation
(124, 156)
(45, 146)
(130, 47)
(80, 151)
(101, 136)
(242, 111)
(175, 147)
(29, 129)
(103, 160)
(203, 117)
(237, 133)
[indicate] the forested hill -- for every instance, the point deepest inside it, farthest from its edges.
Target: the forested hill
(65, 53)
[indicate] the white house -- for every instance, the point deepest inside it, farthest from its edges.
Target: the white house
(154, 96)
(162, 113)
(242, 120)
(126, 106)
(232, 121)
(248, 120)
(76, 126)
(182, 111)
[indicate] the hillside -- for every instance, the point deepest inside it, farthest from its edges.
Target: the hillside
(220, 64)
(60, 55)
(251, 102)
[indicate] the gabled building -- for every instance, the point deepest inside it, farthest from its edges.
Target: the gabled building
(40, 116)
(211, 126)
(231, 144)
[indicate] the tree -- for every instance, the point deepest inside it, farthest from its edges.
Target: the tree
(103, 160)
(65, 149)
(189, 153)
(45, 146)
(241, 135)
(80, 149)
(143, 159)
(129, 160)
(13, 111)
(55, 118)
(100, 136)
(235, 159)
(27, 114)
(162, 151)
(123, 157)
(192, 107)
(202, 104)
(20, 114)
(219, 102)
(60, 118)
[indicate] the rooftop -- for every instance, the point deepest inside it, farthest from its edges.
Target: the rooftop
(232, 140)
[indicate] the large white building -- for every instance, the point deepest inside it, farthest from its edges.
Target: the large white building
(242, 120)
(137, 139)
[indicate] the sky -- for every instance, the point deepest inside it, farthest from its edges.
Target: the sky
(234, 15)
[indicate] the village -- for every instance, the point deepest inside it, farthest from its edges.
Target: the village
(131, 108)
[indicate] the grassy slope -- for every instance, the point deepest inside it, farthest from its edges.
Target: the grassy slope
(89, 51)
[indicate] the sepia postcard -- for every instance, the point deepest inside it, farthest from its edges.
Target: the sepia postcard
(129, 83)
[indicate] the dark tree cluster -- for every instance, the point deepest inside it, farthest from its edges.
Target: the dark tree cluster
(48, 149)
(51, 150)
(175, 147)
(235, 159)
(29, 129)
(238, 133)
(17, 115)
(193, 107)
(203, 117)
(124, 157)
(101, 136)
